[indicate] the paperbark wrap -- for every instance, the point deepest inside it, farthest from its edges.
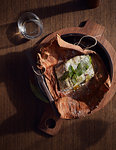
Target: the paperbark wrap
(85, 99)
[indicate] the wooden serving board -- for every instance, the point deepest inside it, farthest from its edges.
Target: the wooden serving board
(93, 29)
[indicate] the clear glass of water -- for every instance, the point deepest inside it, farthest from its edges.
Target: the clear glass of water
(30, 26)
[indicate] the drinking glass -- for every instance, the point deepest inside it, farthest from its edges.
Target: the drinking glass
(30, 26)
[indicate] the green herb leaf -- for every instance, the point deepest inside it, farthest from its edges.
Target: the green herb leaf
(71, 71)
(78, 70)
(74, 79)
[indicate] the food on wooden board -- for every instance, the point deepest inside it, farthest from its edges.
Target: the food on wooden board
(77, 79)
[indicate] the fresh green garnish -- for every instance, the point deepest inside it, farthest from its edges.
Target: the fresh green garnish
(74, 79)
(71, 71)
(81, 68)
(90, 60)
(78, 70)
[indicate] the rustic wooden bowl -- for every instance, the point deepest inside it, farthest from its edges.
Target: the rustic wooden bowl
(103, 48)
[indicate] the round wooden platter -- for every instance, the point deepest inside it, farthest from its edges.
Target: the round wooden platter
(93, 29)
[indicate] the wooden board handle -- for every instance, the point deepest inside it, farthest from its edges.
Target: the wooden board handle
(92, 28)
(49, 123)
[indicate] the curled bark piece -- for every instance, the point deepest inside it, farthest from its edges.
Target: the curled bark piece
(70, 108)
(65, 44)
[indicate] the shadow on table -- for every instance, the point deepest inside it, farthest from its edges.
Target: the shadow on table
(71, 6)
(91, 131)
(14, 73)
(11, 36)
(87, 133)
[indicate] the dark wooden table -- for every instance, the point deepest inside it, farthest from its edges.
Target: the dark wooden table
(19, 111)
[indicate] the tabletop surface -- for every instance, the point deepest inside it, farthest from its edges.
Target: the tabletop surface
(18, 108)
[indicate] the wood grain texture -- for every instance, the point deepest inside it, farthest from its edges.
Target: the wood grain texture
(19, 111)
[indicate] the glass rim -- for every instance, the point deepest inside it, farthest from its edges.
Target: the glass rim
(29, 16)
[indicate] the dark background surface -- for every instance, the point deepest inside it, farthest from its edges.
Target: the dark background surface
(19, 111)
